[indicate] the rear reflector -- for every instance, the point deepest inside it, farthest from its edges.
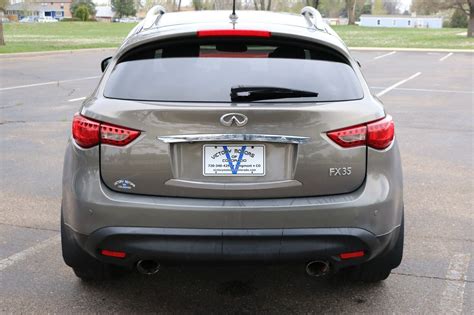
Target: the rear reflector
(238, 33)
(112, 253)
(350, 255)
(88, 133)
(378, 134)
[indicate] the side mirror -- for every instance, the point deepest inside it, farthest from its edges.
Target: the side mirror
(105, 63)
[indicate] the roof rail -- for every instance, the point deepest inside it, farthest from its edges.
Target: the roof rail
(314, 18)
(153, 17)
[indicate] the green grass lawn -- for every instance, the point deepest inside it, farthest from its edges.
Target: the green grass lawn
(447, 38)
(24, 37)
(77, 35)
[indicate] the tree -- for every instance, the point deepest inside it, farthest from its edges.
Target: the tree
(434, 6)
(392, 6)
(458, 19)
(82, 12)
(313, 3)
(197, 4)
(378, 7)
(3, 9)
(88, 3)
(124, 8)
(350, 8)
(467, 6)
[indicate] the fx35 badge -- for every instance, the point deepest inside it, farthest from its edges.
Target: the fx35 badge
(340, 171)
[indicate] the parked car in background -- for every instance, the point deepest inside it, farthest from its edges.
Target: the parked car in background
(129, 20)
(47, 19)
(29, 19)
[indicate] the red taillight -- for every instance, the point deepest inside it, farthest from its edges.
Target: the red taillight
(88, 133)
(378, 134)
(85, 131)
(349, 137)
(231, 32)
(350, 255)
(112, 253)
(116, 135)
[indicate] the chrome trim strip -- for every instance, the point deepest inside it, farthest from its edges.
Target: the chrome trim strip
(233, 186)
(234, 137)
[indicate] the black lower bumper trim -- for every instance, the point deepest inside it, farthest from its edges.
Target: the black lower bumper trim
(277, 245)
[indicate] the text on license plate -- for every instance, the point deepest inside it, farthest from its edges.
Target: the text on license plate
(233, 160)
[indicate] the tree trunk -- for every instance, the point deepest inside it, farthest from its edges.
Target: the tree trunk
(269, 5)
(470, 27)
(350, 7)
(256, 4)
(179, 5)
(2, 39)
(262, 5)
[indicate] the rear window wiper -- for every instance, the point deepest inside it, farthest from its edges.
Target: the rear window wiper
(257, 93)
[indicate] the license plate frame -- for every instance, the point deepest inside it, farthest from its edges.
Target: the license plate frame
(249, 166)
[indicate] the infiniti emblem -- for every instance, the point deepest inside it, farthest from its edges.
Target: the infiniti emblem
(234, 118)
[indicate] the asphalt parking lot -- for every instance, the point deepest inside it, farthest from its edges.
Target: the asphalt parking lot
(430, 96)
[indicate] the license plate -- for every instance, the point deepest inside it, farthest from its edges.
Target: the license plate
(233, 160)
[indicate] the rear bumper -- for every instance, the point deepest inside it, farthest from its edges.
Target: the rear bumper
(259, 245)
(88, 205)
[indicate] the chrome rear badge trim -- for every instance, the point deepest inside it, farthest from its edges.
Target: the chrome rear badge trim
(234, 137)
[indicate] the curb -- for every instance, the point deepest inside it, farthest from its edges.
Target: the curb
(412, 49)
(53, 52)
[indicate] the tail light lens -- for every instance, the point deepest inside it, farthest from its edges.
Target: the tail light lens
(88, 133)
(377, 134)
(85, 131)
(380, 133)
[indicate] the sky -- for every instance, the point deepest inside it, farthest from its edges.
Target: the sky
(406, 5)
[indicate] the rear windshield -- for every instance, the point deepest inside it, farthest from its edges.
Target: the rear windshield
(206, 71)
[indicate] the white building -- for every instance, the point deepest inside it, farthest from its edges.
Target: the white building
(401, 21)
(104, 13)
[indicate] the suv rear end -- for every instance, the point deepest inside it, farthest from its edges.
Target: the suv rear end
(243, 141)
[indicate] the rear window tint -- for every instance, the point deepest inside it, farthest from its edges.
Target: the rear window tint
(205, 71)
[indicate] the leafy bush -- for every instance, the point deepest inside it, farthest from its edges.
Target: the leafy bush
(82, 13)
(459, 19)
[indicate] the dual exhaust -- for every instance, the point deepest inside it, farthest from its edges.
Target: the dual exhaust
(315, 268)
(148, 267)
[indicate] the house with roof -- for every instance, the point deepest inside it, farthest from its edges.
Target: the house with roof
(104, 13)
(401, 21)
(56, 9)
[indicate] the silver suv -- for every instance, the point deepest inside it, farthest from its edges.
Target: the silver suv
(249, 137)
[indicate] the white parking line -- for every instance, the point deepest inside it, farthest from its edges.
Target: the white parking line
(24, 254)
(385, 55)
(77, 99)
(425, 90)
(46, 83)
(397, 84)
(446, 57)
(453, 295)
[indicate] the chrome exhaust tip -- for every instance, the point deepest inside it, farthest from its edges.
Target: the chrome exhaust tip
(317, 268)
(148, 267)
